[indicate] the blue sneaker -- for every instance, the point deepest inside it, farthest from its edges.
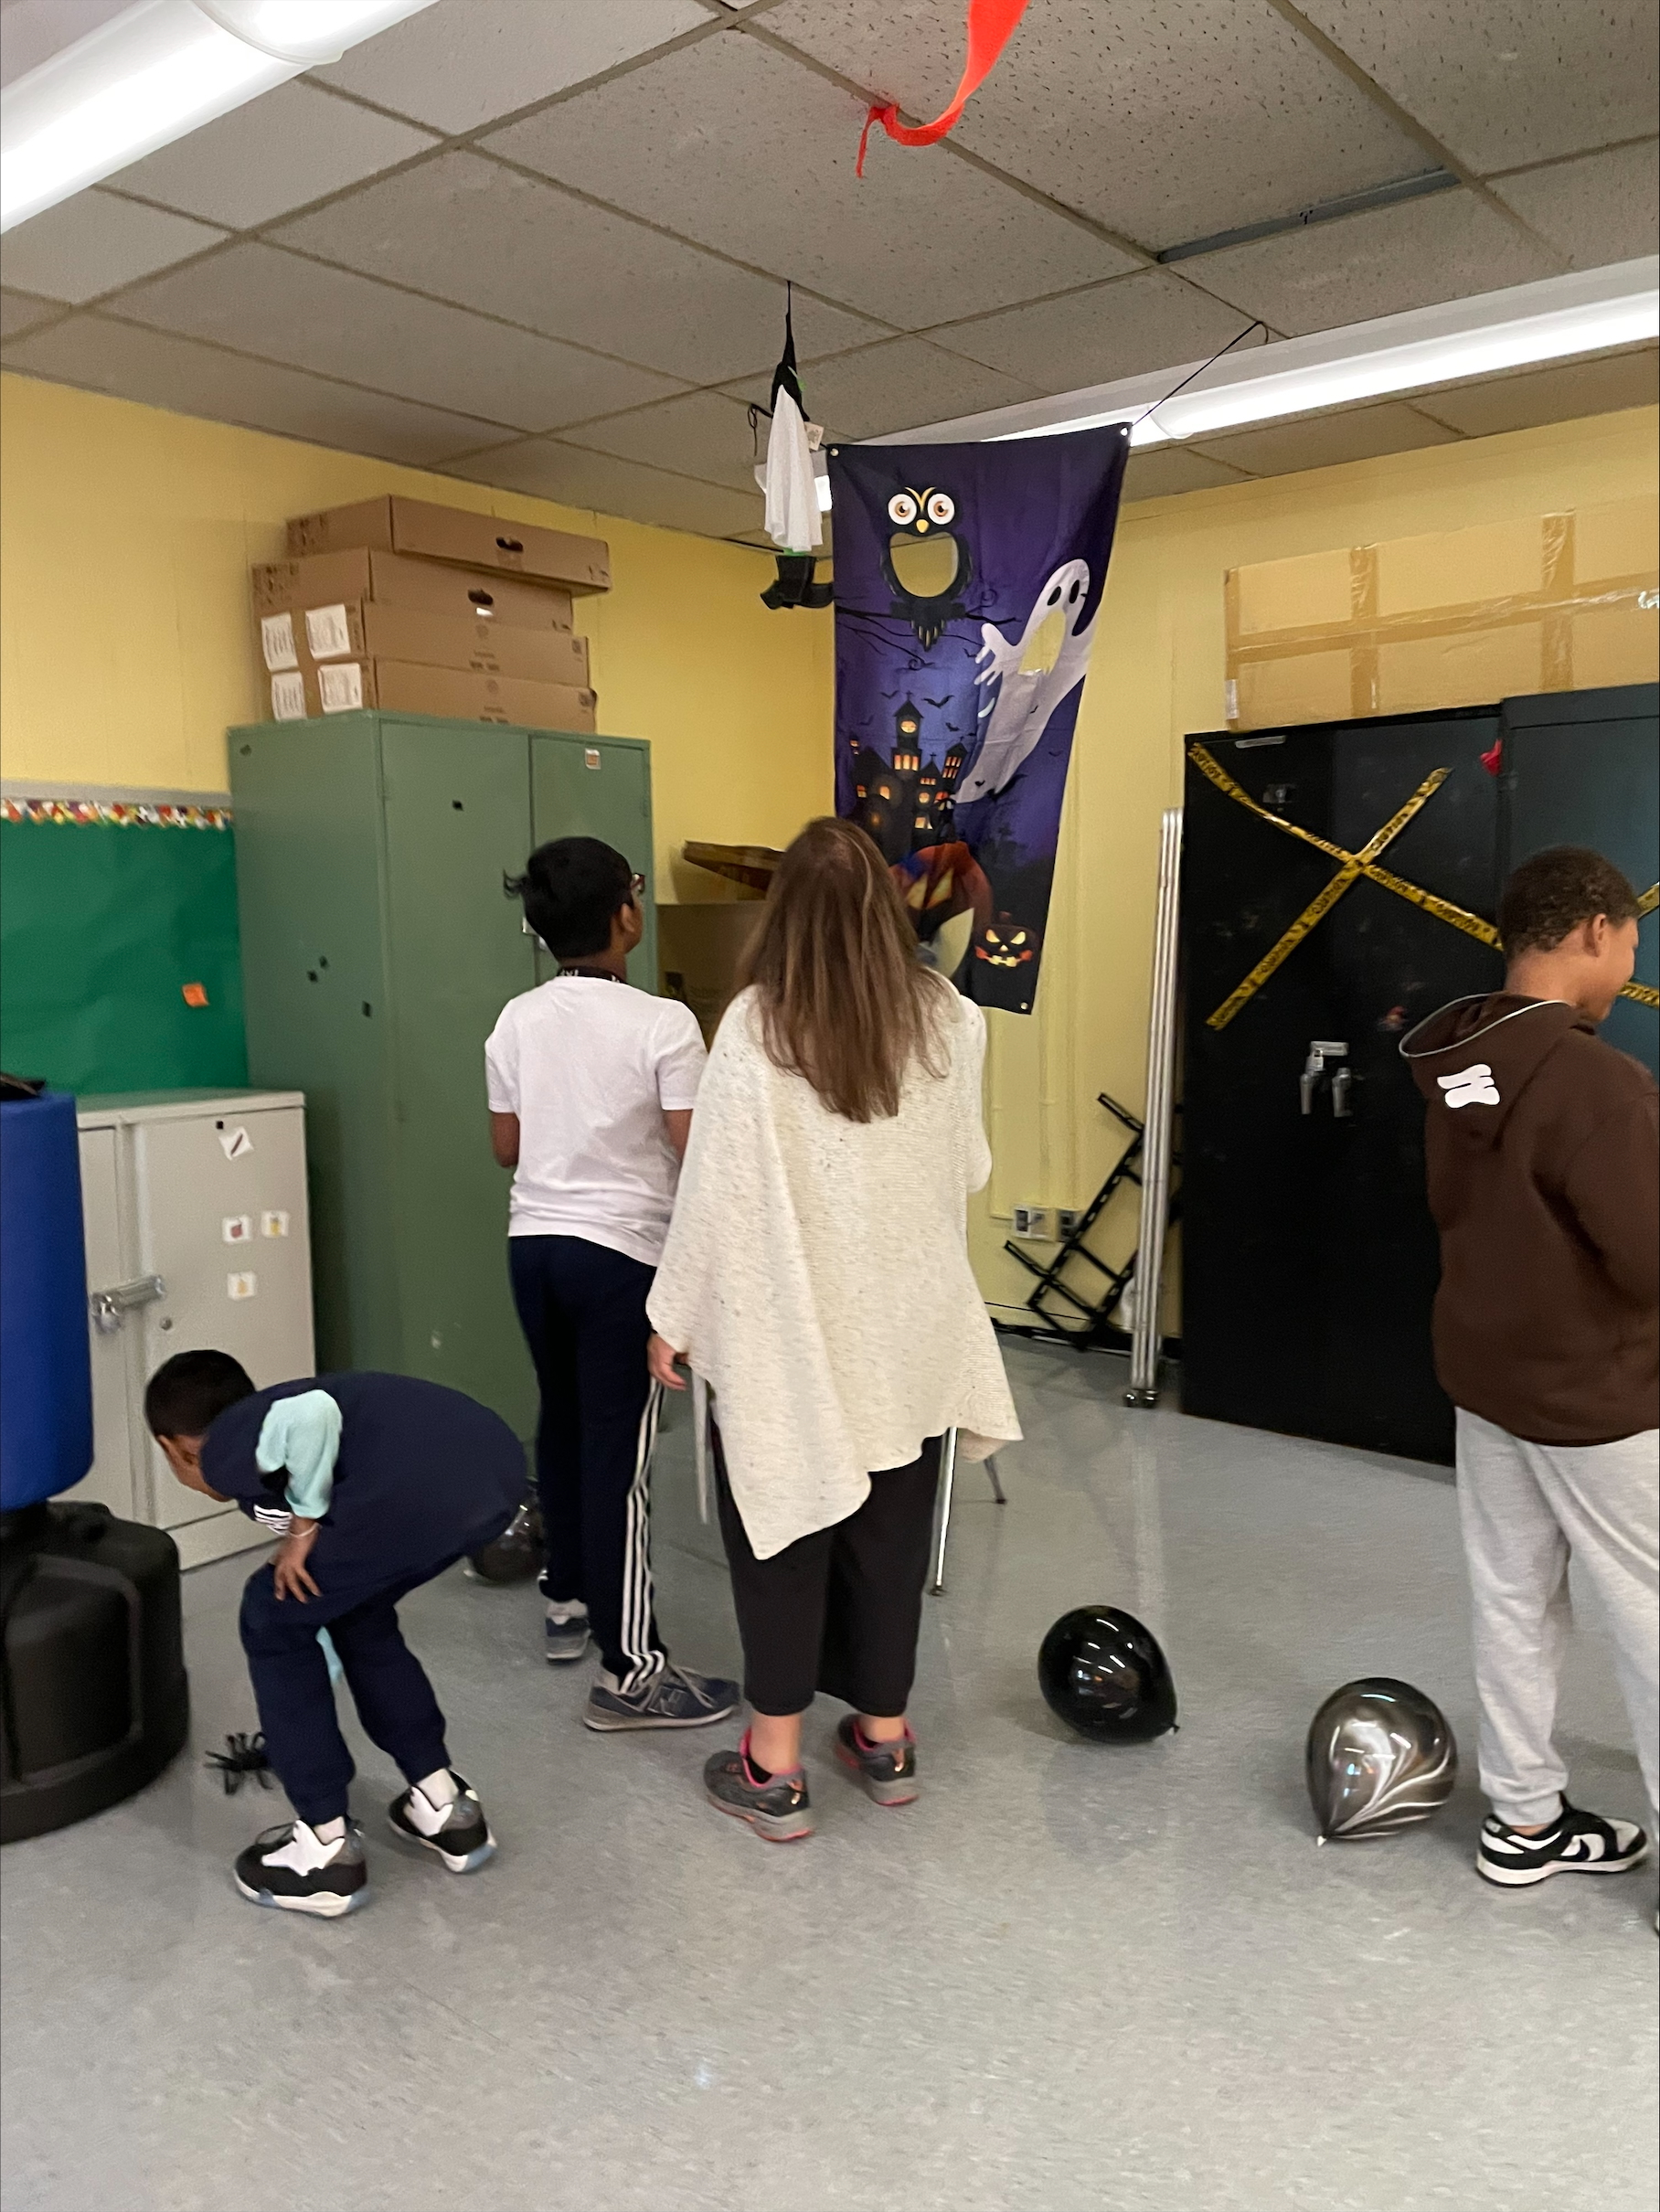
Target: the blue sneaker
(674, 1699)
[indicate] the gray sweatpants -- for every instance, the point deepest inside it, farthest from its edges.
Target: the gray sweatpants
(1524, 1509)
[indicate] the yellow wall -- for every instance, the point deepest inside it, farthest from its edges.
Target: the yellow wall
(127, 647)
(1157, 674)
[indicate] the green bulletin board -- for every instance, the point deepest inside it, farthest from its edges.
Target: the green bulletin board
(120, 965)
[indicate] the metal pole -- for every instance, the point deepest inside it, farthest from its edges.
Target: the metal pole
(1147, 1334)
(948, 1475)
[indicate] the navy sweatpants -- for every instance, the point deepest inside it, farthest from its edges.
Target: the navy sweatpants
(582, 1308)
(296, 1700)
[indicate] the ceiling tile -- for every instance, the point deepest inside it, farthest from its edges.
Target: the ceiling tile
(471, 230)
(580, 479)
(1165, 120)
(460, 63)
(1168, 469)
(1444, 247)
(1603, 207)
(91, 243)
(1558, 394)
(266, 301)
(1506, 82)
(897, 386)
(705, 434)
(19, 312)
(279, 151)
(743, 148)
(1324, 441)
(191, 380)
(37, 29)
(1123, 328)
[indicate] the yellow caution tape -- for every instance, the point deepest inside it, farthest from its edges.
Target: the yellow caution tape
(1354, 866)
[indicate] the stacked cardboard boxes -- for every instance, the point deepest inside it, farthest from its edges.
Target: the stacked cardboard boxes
(401, 605)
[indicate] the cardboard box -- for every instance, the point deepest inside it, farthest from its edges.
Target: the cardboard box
(452, 534)
(365, 630)
(699, 945)
(328, 580)
(459, 695)
(1454, 618)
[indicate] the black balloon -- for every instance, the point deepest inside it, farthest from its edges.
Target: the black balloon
(1103, 1674)
(517, 1554)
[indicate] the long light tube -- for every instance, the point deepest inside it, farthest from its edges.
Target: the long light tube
(1585, 312)
(154, 73)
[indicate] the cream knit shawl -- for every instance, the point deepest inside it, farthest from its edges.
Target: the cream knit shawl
(816, 1276)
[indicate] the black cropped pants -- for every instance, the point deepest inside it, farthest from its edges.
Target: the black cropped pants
(838, 1611)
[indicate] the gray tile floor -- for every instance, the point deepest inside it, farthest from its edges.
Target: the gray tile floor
(1069, 1978)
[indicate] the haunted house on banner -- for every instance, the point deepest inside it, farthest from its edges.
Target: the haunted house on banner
(968, 583)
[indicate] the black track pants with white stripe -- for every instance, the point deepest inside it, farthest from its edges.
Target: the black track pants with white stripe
(582, 1309)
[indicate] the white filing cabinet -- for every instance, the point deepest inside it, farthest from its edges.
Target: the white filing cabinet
(197, 1238)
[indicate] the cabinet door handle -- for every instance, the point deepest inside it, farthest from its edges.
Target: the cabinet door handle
(110, 1307)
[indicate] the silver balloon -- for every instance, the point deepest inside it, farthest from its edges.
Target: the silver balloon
(1380, 1757)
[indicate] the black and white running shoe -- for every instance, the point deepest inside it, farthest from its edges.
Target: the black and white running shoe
(290, 1867)
(458, 1832)
(1575, 1843)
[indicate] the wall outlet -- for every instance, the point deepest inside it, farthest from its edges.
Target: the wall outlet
(1067, 1219)
(1032, 1222)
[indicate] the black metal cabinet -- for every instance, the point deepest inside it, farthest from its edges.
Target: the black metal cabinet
(1309, 1259)
(1312, 940)
(1549, 799)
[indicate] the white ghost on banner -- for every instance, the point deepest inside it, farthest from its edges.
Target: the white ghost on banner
(1016, 712)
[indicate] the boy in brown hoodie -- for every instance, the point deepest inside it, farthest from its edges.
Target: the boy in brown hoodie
(1543, 1153)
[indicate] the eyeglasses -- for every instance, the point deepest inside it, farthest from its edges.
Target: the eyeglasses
(636, 883)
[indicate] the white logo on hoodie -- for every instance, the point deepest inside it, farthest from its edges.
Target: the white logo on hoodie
(1470, 1087)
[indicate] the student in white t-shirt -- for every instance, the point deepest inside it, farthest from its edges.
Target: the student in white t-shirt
(591, 1085)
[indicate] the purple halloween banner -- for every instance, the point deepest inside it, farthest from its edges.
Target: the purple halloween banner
(968, 582)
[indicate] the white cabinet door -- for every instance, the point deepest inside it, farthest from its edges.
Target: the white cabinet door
(222, 1220)
(110, 1481)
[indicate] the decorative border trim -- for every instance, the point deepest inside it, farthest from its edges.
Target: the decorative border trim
(93, 813)
(120, 815)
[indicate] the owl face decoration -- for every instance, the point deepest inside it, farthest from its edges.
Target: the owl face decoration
(921, 510)
(926, 565)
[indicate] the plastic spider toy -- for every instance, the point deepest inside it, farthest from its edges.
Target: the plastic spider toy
(243, 1757)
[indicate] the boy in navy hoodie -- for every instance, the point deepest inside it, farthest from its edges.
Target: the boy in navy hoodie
(375, 1483)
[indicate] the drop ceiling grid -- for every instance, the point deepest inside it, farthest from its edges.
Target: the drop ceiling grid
(668, 146)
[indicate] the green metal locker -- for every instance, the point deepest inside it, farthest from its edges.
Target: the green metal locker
(378, 949)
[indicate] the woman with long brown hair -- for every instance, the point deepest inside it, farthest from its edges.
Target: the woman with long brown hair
(816, 1276)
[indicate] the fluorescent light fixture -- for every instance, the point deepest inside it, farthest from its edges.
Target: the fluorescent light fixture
(154, 73)
(1589, 310)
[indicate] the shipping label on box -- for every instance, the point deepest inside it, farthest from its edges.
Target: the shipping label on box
(463, 594)
(288, 696)
(421, 527)
(1454, 618)
(330, 631)
(277, 642)
(340, 687)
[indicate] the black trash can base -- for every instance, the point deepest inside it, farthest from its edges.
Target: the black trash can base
(94, 1700)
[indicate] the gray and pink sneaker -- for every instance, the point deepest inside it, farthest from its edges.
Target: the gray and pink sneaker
(777, 1807)
(887, 1772)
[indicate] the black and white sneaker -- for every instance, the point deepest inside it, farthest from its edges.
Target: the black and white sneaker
(1575, 1843)
(458, 1832)
(290, 1867)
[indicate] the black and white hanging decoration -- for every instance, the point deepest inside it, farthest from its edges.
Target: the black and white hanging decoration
(790, 477)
